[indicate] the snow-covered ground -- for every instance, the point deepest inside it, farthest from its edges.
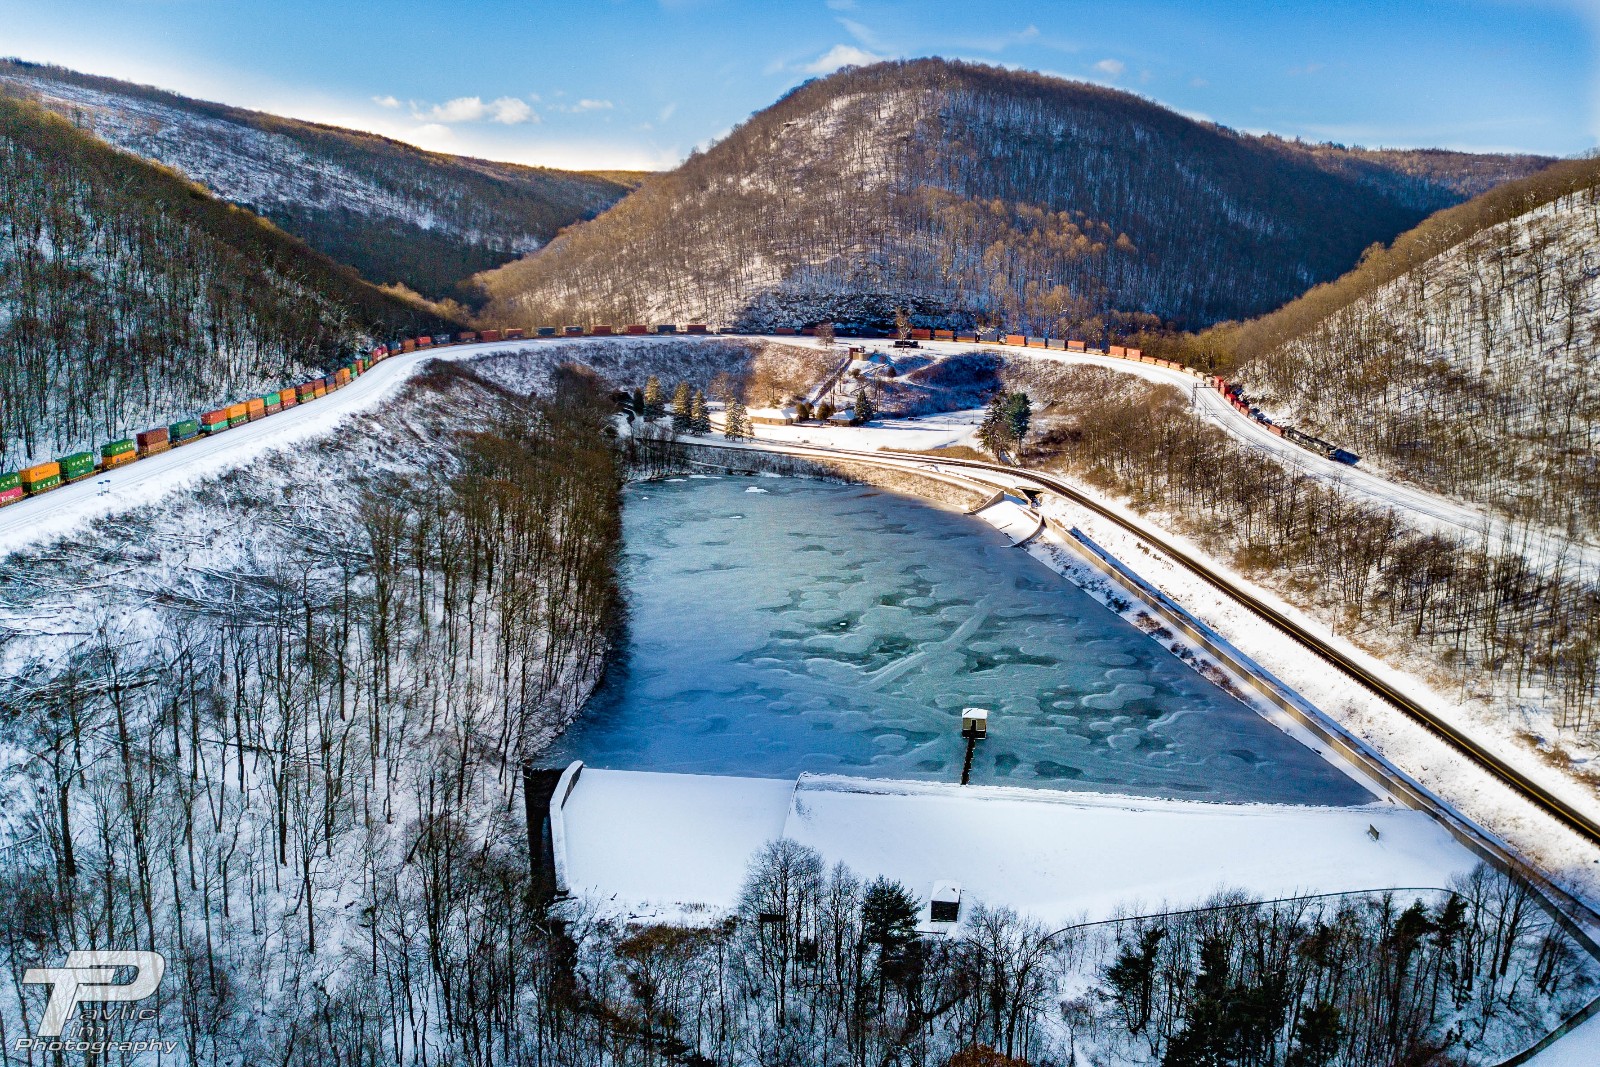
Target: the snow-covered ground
(63, 509)
(676, 846)
(1430, 510)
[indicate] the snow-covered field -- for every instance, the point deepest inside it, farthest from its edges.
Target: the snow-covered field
(662, 846)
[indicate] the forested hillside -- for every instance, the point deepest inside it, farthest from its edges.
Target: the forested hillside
(1466, 357)
(974, 194)
(129, 296)
(395, 212)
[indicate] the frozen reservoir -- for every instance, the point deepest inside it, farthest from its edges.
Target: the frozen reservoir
(810, 626)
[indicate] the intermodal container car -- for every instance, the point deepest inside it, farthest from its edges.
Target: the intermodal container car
(488, 335)
(10, 487)
(288, 398)
(667, 327)
(38, 478)
(637, 328)
(1015, 339)
(254, 408)
(696, 327)
(467, 337)
(150, 442)
(76, 465)
(1133, 353)
(183, 430)
(408, 345)
(600, 331)
(514, 334)
(549, 331)
(944, 335)
(919, 334)
(572, 331)
(116, 453)
(1075, 346)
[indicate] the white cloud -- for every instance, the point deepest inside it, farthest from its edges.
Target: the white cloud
(509, 111)
(863, 33)
(506, 110)
(583, 105)
(1111, 67)
(385, 101)
(840, 55)
(666, 112)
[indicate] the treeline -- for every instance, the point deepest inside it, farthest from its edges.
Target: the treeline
(971, 194)
(1483, 610)
(815, 965)
(129, 297)
(396, 212)
(284, 753)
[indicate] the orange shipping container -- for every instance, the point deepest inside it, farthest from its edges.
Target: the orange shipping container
(233, 411)
(638, 328)
(921, 335)
(944, 335)
(489, 335)
(1074, 346)
(39, 473)
(599, 331)
(1016, 339)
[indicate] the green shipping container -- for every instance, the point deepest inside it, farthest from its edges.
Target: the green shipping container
(217, 427)
(239, 420)
(117, 448)
(77, 465)
(272, 398)
(40, 486)
(182, 431)
(9, 480)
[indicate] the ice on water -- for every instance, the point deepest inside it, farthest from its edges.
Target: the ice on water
(820, 627)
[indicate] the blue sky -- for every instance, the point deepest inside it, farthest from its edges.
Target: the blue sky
(640, 83)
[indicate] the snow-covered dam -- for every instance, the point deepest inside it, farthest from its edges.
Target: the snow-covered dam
(784, 625)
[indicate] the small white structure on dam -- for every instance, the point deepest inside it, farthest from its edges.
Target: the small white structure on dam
(674, 847)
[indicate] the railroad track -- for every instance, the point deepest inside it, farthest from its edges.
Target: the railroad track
(1569, 816)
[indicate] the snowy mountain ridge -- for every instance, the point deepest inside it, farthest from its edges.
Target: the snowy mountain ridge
(1473, 369)
(396, 213)
(977, 195)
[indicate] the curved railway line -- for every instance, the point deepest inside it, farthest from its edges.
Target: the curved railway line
(1575, 820)
(24, 523)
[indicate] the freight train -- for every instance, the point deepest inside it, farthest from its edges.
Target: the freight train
(77, 466)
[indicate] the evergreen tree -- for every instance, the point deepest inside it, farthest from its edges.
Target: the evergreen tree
(1132, 979)
(1018, 416)
(992, 433)
(699, 415)
(655, 404)
(737, 423)
(1316, 1037)
(680, 408)
(864, 411)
